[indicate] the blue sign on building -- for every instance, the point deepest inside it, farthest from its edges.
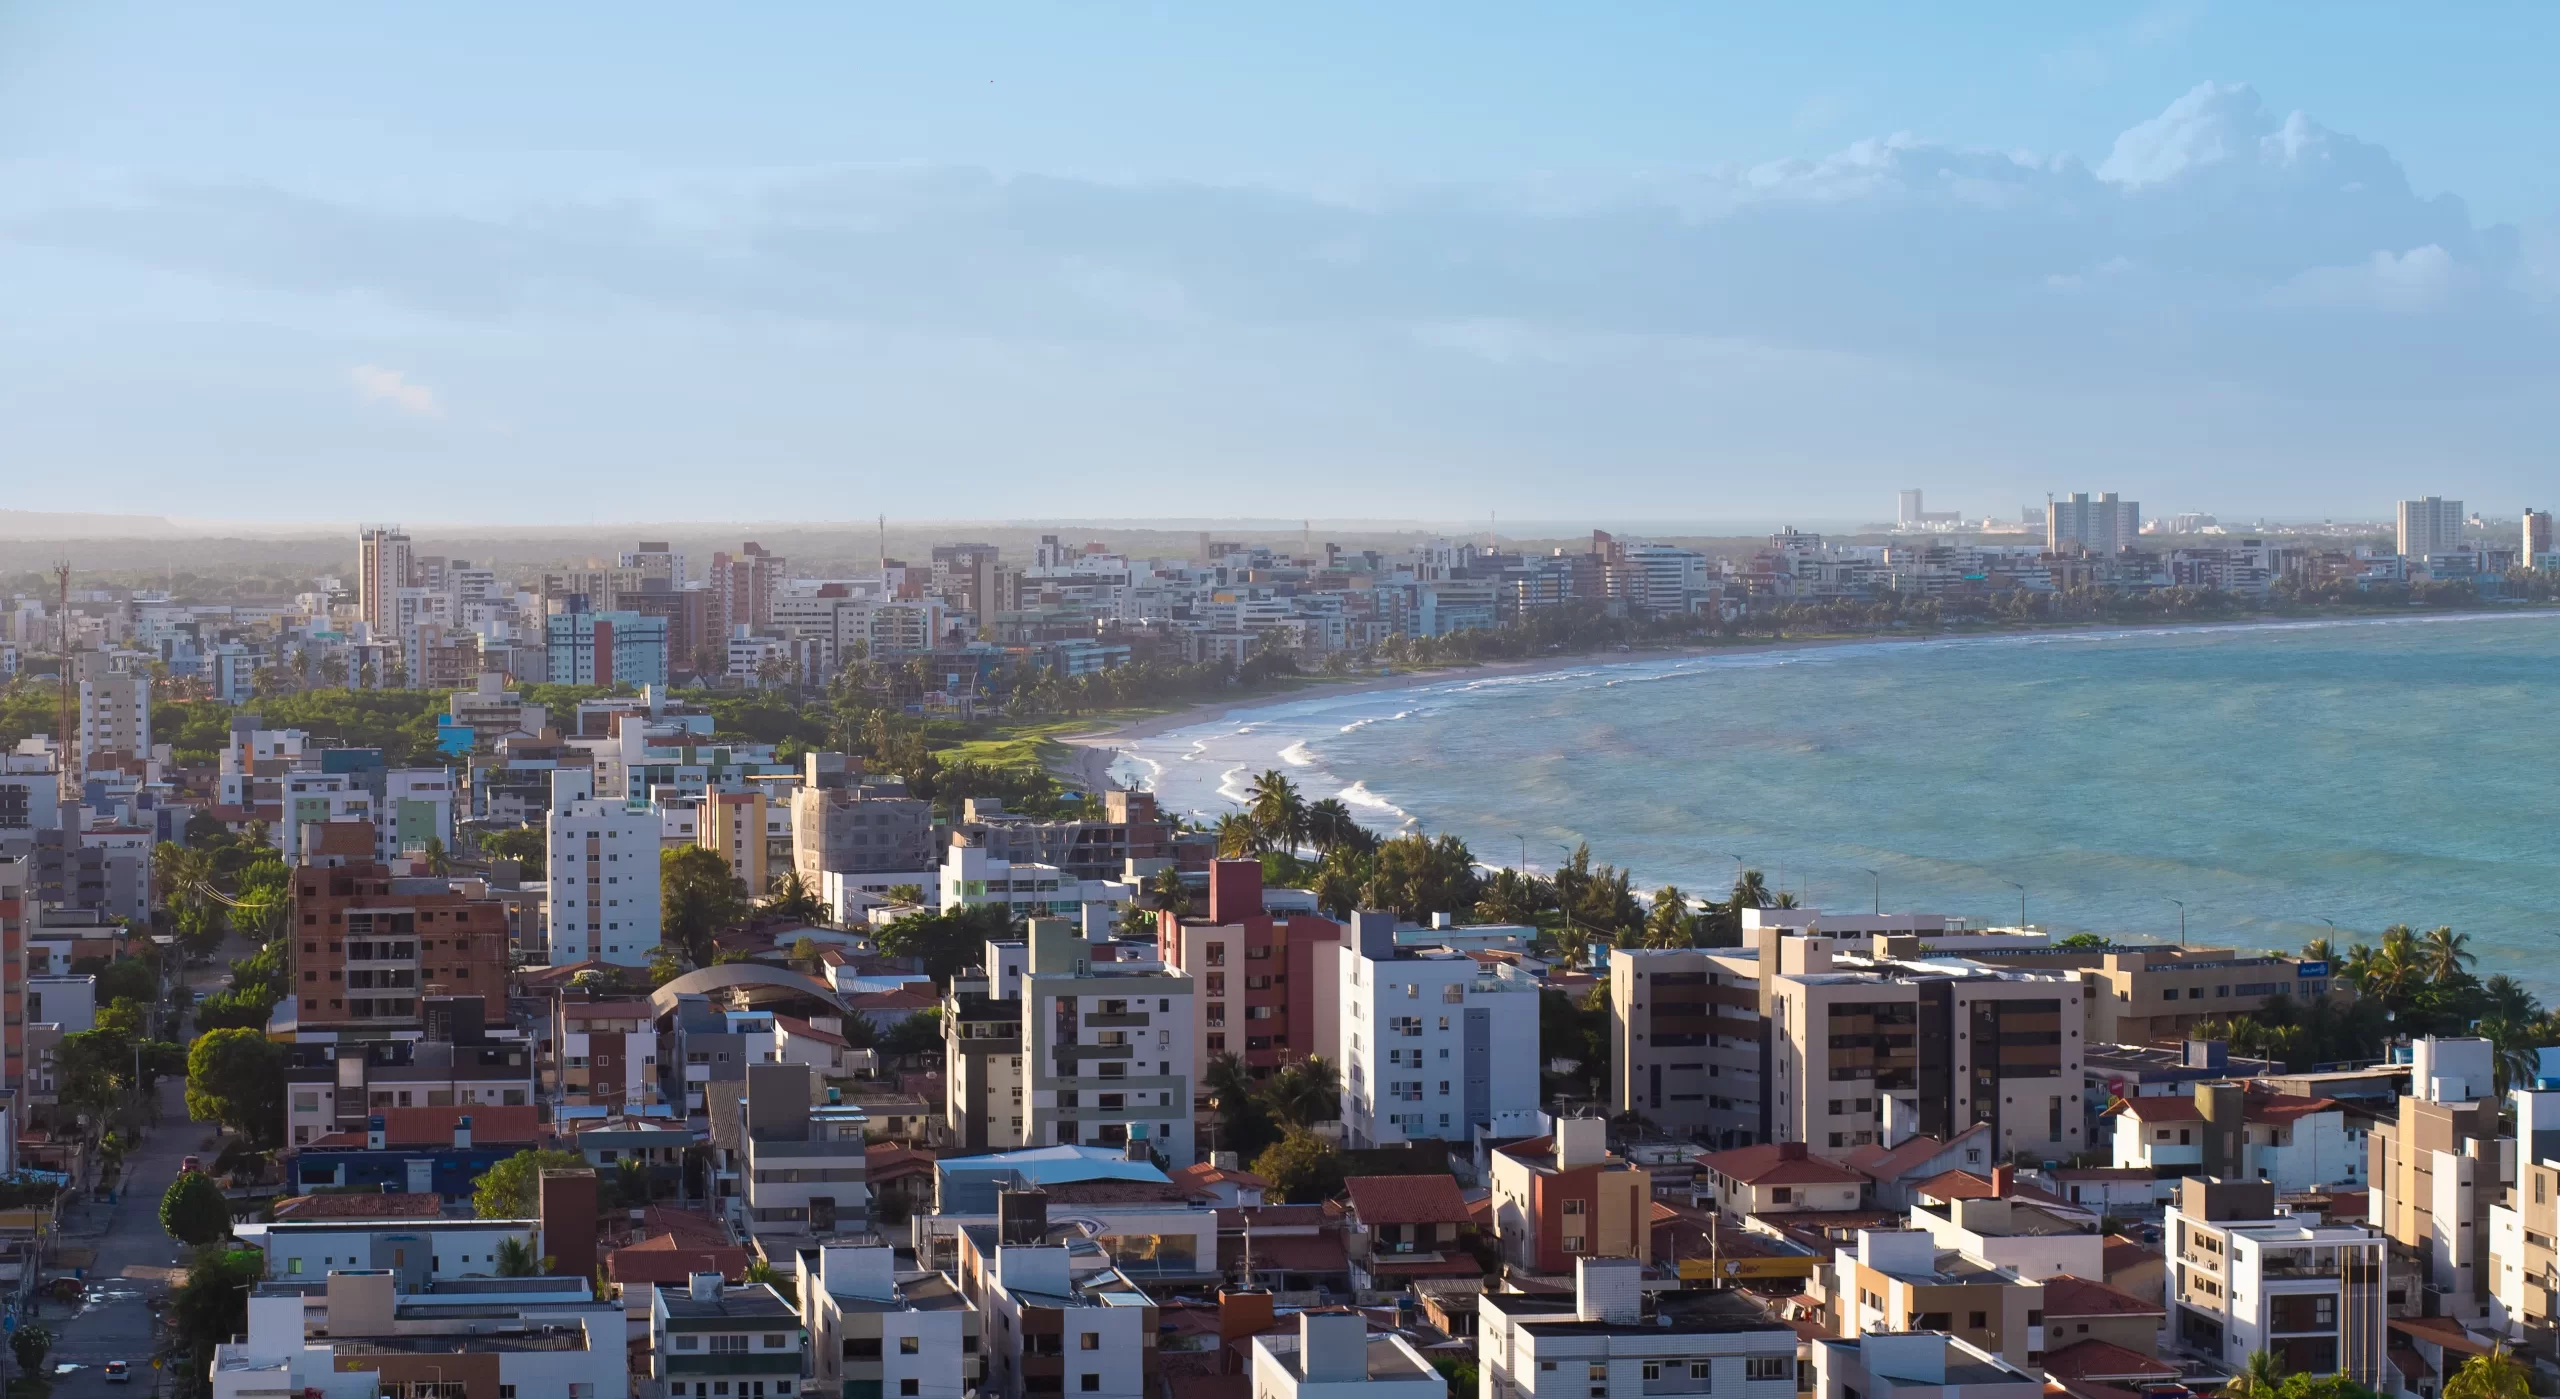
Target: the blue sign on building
(2309, 969)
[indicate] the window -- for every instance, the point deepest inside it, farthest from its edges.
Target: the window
(909, 1345)
(1089, 1340)
(909, 1387)
(1769, 1367)
(1978, 1320)
(728, 1345)
(774, 1342)
(1573, 1208)
(688, 1343)
(1089, 1383)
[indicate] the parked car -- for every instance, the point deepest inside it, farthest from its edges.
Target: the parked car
(190, 1163)
(118, 1372)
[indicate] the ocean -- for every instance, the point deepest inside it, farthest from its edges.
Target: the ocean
(2278, 778)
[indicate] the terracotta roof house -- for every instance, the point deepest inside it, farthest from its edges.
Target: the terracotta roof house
(1406, 1227)
(1777, 1178)
(1893, 1170)
(666, 1261)
(1226, 1185)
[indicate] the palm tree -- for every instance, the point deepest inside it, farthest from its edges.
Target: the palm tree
(1751, 891)
(1305, 1093)
(1277, 808)
(1669, 924)
(2496, 1375)
(1330, 824)
(1239, 836)
(2508, 1000)
(438, 862)
(516, 1259)
(2319, 950)
(2446, 954)
(1168, 892)
(2259, 1378)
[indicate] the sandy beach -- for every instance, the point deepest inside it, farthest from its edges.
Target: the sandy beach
(1096, 751)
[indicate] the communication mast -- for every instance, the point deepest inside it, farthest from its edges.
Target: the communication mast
(62, 681)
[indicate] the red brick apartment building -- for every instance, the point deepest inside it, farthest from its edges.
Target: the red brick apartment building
(368, 942)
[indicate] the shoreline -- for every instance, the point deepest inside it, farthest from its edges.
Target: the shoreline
(1095, 752)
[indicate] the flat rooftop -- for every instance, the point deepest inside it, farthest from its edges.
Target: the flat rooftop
(1387, 1361)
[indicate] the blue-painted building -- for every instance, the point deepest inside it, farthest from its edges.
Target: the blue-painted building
(443, 1149)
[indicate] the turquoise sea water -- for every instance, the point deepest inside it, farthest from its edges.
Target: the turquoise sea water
(2366, 771)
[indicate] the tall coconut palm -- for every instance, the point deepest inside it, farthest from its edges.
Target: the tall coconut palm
(1751, 891)
(1239, 836)
(2319, 950)
(2446, 954)
(2496, 1375)
(1274, 803)
(1331, 824)
(1669, 924)
(2509, 1000)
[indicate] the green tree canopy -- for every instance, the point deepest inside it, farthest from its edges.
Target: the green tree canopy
(699, 897)
(1301, 1168)
(513, 1188)
(236, 1078)
(31, 1344)
(947, 941)
(193, 1211)
(214, 1305)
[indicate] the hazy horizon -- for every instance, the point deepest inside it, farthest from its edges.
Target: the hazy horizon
(317, 265)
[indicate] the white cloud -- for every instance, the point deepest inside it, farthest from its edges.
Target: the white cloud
(2419, 280)
(375, 384)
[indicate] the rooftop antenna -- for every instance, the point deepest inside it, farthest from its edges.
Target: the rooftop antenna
(884, 544)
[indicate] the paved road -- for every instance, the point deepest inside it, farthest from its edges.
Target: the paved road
(133, 1261)
(134, 1255)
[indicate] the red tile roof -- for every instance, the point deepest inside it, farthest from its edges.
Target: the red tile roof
(1778, 1163)
(803, 1028)
(691, 1229)
(1965, 1185)
(2258, 1107)
(667, 1261)
(2120, 1253)
(2065, 1295)
(1200, 1174)
(2440, 1331)
(888, 1161)
(1406, 1200)
(1295, 1253)
(2104, 1360)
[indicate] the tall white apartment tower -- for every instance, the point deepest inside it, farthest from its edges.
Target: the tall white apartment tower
(2430, 526)
(1906, 508)
(383, 568)
(602, 855)
(2105, 525)
(2537, 536)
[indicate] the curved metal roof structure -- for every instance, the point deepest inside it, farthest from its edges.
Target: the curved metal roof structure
(731, 975)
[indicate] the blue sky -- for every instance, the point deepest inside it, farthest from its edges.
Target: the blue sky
(642, 262)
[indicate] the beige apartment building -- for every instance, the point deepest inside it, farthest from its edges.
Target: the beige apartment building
(2437, 1171)
(2143, 994)
(1685, 1025)
(1859, 1044)
(1898, 1280)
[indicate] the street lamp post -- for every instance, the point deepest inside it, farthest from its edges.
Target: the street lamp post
(2182, 917)
(2022, 902)
(1879, 879)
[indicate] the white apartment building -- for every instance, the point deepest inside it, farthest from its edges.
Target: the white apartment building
(1601, 1345)
(884, 1332)
(1333, 1356)
(2245, 1278)
(383, 567)
(710, 1339)
(358, 1337)
(421, 1251)
(601, 903)
(1106, 1049)
(115, 716)
(2290, 1142)
(972, 876)
(1433, 1043)
(1090, 1328)
(416, 807)
(1916, 1365)
(2102, 526)
(2430, 526)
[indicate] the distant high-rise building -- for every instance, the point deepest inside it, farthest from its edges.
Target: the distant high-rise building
(2430, 526)
(2537, 535)
(1906, 508)
(2102, 526)
(383, 567)
(743, 587)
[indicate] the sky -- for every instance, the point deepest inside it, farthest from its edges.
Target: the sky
(466, 262)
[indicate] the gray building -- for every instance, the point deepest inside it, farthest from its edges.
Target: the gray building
(841, 823)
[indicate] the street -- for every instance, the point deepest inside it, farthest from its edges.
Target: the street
(133, 1260)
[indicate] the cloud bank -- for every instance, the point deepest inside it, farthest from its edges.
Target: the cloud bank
(2229, 300)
